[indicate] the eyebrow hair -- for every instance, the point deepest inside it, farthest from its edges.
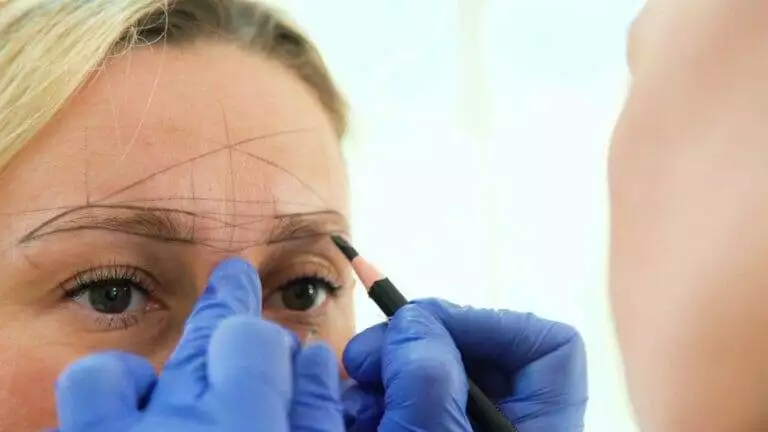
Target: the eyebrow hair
(173, 225)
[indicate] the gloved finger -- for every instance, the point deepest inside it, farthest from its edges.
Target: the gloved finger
(534, 368)
(424, 379)
(368, 418)
(103, 392)
(233, 289)
(363, 408)
(250, 371)
(362, 356)
(363, 361)
(316, 391)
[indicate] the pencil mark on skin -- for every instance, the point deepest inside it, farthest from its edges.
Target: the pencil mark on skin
(38, 231)
(167, 225)
(31, 263)
(231, 189)
(115, 114)
(194, 200)
(284, 170)
(228, 219)
(303, 238)
(223, 219)
(272, 203)
(198, 157)
(144, 113)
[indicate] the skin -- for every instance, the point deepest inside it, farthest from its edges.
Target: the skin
(689, 191)
(144, 112)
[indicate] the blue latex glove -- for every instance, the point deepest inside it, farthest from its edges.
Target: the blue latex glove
(410, 374)
(231, 371)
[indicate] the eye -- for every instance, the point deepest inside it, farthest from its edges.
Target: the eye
(304, 294)
(110, 290)
(116, 296)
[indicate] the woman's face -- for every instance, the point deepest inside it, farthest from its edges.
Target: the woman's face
(168, 161)
(689, 200)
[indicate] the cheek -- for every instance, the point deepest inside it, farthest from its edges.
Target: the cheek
(27, 381)
(30, 363)
(340, 327)
(30, 369)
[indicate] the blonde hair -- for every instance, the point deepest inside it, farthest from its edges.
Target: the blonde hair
(50, 47)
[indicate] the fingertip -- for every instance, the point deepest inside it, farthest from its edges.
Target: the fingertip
(414, 320)
(236, 282)
(232, 265)
(362, 355)
(317, 390)
(319, 347)
(107, 368)
(100, 368)
(90, 390)
(574, 349)
(317, 357)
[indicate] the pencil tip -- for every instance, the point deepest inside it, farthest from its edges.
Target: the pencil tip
(344, 247)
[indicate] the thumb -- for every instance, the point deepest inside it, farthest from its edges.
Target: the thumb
(424, 379)
(233, 289)
(103, 392)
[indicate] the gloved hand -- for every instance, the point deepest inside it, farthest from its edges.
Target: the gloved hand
(410, 375)
(231, 371)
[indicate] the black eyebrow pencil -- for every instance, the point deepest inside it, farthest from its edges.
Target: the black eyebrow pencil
(481, 410)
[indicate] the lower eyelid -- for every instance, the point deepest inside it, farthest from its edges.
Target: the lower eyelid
(93, 321)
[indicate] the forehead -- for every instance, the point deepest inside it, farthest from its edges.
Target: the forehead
(202, 126)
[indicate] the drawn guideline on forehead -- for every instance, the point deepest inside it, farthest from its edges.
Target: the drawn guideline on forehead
(236, 224)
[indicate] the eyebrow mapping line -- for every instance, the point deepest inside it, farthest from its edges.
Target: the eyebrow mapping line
(231, 169)
(214, 217)
(159, 224)
(192, 197)
(200, 156)
(108, 223)
(281, 169)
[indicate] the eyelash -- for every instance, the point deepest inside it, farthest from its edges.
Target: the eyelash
(333, 287)
(78, 285)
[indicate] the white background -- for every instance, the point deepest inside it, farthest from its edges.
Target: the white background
(478, 154)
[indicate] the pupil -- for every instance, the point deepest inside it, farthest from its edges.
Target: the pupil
(110, 298)
(300, 296)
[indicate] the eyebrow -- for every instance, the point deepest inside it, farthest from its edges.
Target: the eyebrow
(175, 225)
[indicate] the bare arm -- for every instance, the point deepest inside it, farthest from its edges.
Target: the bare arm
(689, 191)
